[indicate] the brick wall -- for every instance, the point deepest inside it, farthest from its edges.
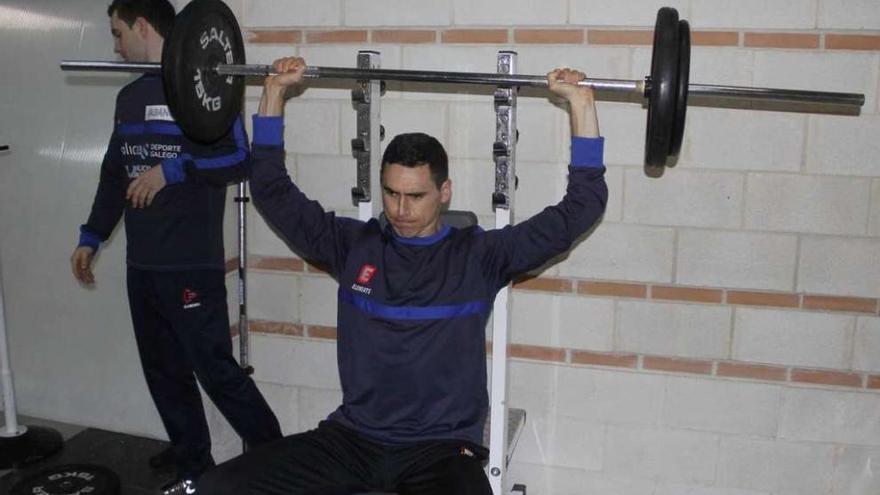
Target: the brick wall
(719, 332)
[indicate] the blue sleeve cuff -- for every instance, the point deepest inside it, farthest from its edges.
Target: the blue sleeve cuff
(173, 170)
(587, 152)
(268, 130)
(90, 239)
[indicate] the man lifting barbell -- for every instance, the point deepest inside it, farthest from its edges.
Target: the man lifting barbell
(172, 192)
(414, 299)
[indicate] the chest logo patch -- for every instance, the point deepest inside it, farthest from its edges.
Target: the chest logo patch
(366, 273)
(158, 112)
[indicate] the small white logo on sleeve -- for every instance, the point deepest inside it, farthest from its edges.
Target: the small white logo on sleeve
(158, 112)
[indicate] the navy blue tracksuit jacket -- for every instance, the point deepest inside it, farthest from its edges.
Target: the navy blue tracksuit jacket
(412, 312)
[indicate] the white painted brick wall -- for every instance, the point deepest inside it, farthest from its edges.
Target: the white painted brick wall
(844, 145)
(724, 65)
(785, 468)
(613, 397)
(552, 480)
(640, 13)
(623, 126)
(472, 130)
(513, 12)
(404, 13)
(400, 116)
(262, 240)
(814, 415)
(818, 71)
(855, 472)
(623, 252)
(611, 62)
(741, 140)
(562, 321)
(684, 197)
(779, 14)
(796, 203)
(673, 455)
(318, 300)
(867, 344)
(795, 338)
(473, 182)
(614, 181)
(541, 184)
(273, 296)
(323, 179)
(294, 362)
(682, 489)
(874, 227)
(672, 329)
(452, 58)
(286, 13)
(562, 441)
(842, 266)
(532, 387)
(848, 14)
(739, 408)
(544, 134)
(313, 127)
(736, 259)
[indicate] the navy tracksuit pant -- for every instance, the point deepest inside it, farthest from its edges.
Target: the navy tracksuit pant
(181, 324)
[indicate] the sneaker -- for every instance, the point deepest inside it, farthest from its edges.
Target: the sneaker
(163, 460)
(179, 487)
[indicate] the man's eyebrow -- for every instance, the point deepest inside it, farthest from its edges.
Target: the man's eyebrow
(392, 191)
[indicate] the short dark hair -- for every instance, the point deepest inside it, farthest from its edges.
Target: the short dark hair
(415, 149)
(159, 13)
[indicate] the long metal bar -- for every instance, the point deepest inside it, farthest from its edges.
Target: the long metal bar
(844, 102)
(101, 66)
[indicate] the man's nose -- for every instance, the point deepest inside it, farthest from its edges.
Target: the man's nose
(403, 207)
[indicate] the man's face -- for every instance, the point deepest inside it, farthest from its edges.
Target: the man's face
(128, 42)
(412, 200)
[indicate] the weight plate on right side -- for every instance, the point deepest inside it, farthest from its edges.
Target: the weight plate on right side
(663, 88)
(684, 68)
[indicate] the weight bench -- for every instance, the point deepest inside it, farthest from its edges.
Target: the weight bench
(504, 426)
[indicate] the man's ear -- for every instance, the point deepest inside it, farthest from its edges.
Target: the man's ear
(142, 27)
(446, 191)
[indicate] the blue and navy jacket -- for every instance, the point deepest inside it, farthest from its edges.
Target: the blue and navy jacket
(412, 312)
(183, 228)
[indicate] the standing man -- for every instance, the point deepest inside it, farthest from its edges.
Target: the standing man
(172, 192)
(413, 301)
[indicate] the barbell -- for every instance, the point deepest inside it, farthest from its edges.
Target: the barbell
(203, 64)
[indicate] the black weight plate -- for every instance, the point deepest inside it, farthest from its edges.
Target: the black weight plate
(663, 88)
(204, 103)
(69, 479)
(684, 68)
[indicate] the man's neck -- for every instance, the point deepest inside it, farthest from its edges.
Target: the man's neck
(154, 51)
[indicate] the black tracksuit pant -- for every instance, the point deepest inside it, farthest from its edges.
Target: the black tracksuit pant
(334, 460)
(181, 324)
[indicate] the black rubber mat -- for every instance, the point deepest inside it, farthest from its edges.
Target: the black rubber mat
(126, 455)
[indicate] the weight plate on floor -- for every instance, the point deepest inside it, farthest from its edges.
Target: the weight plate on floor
(69, 479)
